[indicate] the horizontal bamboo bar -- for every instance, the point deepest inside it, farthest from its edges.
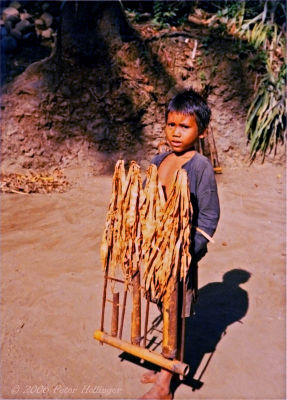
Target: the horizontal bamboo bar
(174, 366)
(121, 281)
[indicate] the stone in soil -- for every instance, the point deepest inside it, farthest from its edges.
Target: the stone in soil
(24, 27)
(10, 12)
(47, 33)
(8, 45)
(47, 18)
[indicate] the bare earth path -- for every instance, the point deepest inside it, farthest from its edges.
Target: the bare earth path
(52, 288)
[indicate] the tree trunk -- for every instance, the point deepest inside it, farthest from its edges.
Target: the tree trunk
(88, 28)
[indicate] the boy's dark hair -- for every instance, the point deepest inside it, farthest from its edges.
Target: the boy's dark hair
(189, 102)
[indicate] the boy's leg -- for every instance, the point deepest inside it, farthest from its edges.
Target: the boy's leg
(162, 380)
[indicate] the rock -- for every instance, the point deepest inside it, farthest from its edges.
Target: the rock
(226, 148)
(24, 27)
(30, 153)
(27, 16)
(101, 133)
(16, 34)
(10, 12)
(48, 19)
(47, 33)
(11, 21)
(3, 31)
(30, 37)
(21, 160)
(51, 134)
(15, 4)
(158, 130)
(27, 108)
(10, 129)
(9, 44)
(81, 156)
(66, 91)
(39, 23)
(86, 97)
(45, 7)
(8, 26)
(58, 157)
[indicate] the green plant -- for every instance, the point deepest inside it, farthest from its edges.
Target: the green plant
(167, 13)
(134, 14)
(266, 120)
(213, 71)
(202, 76)
(199, 61)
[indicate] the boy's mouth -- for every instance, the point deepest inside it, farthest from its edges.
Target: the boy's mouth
(175, 143)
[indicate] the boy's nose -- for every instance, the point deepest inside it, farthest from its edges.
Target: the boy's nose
(176, 132)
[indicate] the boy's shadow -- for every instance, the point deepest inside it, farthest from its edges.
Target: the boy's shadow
(219, 304)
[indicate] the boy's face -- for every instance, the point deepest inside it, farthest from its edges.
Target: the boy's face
(181, 131)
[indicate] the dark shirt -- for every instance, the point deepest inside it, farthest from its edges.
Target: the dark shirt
(203, 197)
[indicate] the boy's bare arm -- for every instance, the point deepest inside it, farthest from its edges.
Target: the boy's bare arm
(208, 209)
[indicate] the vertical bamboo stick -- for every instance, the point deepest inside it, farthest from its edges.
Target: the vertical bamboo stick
(115, 314)
(182, 340)
(123, 312)
(215, 150)
(200, 146)
(170, 319)
(136, 310)
(105, 293)
(146, 319)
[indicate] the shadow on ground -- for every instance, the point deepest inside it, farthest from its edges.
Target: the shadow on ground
(219, 305)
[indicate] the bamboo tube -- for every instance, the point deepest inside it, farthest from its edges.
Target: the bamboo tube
(215, 150)
(146, 319)
(136, 310)
(170, 315)
(115, 314)
(182, 339)
(123, 313)
(105, 293)
(174, 366)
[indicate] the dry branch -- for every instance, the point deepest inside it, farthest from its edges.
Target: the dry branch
(32, 182)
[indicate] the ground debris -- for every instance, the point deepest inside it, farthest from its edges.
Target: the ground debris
(34, 182)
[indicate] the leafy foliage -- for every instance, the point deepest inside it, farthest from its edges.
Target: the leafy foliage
(165, 13)
(258, 30)
(266, 120)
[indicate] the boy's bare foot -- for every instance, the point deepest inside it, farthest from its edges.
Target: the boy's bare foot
(157, 392)
(149, 377)
(161, 387)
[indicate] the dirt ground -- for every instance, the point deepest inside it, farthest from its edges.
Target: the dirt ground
(52, 288)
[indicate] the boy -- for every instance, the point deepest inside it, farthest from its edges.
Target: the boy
(187, 119)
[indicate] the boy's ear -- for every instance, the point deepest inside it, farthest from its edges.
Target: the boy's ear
(202, 135)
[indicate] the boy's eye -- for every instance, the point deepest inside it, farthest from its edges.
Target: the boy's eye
(171, 124)
(185, 126)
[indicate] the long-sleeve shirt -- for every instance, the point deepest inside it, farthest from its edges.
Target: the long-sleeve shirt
(203, 197)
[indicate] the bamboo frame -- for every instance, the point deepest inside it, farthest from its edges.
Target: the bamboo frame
(135, 236)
